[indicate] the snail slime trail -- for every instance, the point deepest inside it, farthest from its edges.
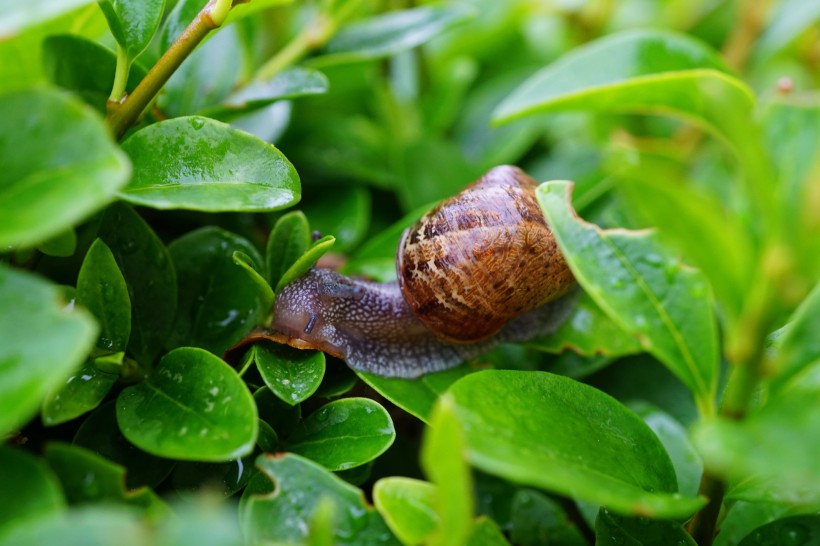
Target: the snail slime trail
(480, 268)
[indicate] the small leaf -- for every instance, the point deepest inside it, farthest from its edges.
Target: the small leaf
(133, 22)
(292, 374)
(344, 434)
(343, 214)
(193, 406)
(305, 261)
(102, 290)
(486, 533)
(200, 164)
(88, 478)
(387, 34)
(800, 344)
(288, 240)
(43, 343)
(59, 165)
(264, 292)
(416, 396)
(566, 437)
(642, 288)
(406, 505)
(85, 526)
(218, 302)
(283, 511)
(795, 530)
(36, 490)
(149, 273)
(82, 392)
(17, 16)
(535, 517)
(444, 460)
(614, 529)
(61, 246)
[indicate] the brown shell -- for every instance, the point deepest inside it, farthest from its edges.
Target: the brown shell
(480, 258)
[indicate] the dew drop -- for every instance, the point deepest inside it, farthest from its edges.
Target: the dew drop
(197, 123)
(793, 534)
(323, 414)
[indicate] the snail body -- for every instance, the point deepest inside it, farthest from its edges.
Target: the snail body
(480, 268)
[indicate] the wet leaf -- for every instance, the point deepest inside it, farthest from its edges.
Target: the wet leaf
(133, 22)
(406, 505)
(292, 374)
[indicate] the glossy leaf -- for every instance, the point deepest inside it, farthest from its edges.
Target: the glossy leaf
(406, 505)
(17, 16)
(278, 515)
(387, 34)
(85, 526)
(444, 460)
(102, 290)
(201, 164)
(800, 344)
(344, 434)
(537, 519)
(88, 478)
(345, 215)
(30, 488)
(80, 393)
(644, 70)
(101, 434)
(84, 67)
(57, 171)
(218, 302)
(149, 273)
(62, 245)
(291, 374)
(133, 22)
(43, 342)
(193, 406)
(288, 240)
(223, 478)
(264, 292)
(588, 331)
(566, 437)
(615, 530)
(416, 396)
(306, 261)
(643, 289)
(486, 533)
(794, 530)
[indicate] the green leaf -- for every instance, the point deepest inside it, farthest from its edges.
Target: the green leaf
(343, 214)
(59, 165)
(288, 240)
(218, 302)
(390, 33)
(133, 22)
(307, 260)
(406, 505)
(80, 393)
(89, 478)
(43, 342)
(36, 490)
(62, 245)
(795, 530)
(791, 19)
(416, 396)
(588, 331)
(649, 293)
(201, 164)
(644, 71)
(101, 434)
(85, 526)
(566, 437)
(344, 434)
(102, 290)
(17, 16)
(193, 406)
(618, 530)
(800, 344)
(222, 478)
(444, 460)
(282, 417)
(293, 375)
(537, 519)
(84, 67)
(285, 513)
(264, 292)
(149, 273)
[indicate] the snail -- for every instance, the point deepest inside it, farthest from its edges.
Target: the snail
(480, 268)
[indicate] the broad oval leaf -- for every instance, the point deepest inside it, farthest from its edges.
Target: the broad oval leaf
(406, 505)
(566, 437)
(282, 511)
(193, 406)
(643, 70)
(17, 16)
(344, 434)
(59, 165)
(133, 22)
(43, 342)
(292, 374)
(80, 393)
(387, 34)
(149, 274)
(35, 488)
(218, 301)
(201, 164)
(647, 292)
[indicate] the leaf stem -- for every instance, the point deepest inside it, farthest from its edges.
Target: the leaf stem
(314, 35)
(120, 76)
(120, 119)
(702, 526)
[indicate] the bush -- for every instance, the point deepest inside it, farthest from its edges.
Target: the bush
(145, 233)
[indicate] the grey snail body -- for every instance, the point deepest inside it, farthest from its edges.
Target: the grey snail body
(480, 268)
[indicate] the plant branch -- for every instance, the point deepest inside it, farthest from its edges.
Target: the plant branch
(314, 35)
(122, 116)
